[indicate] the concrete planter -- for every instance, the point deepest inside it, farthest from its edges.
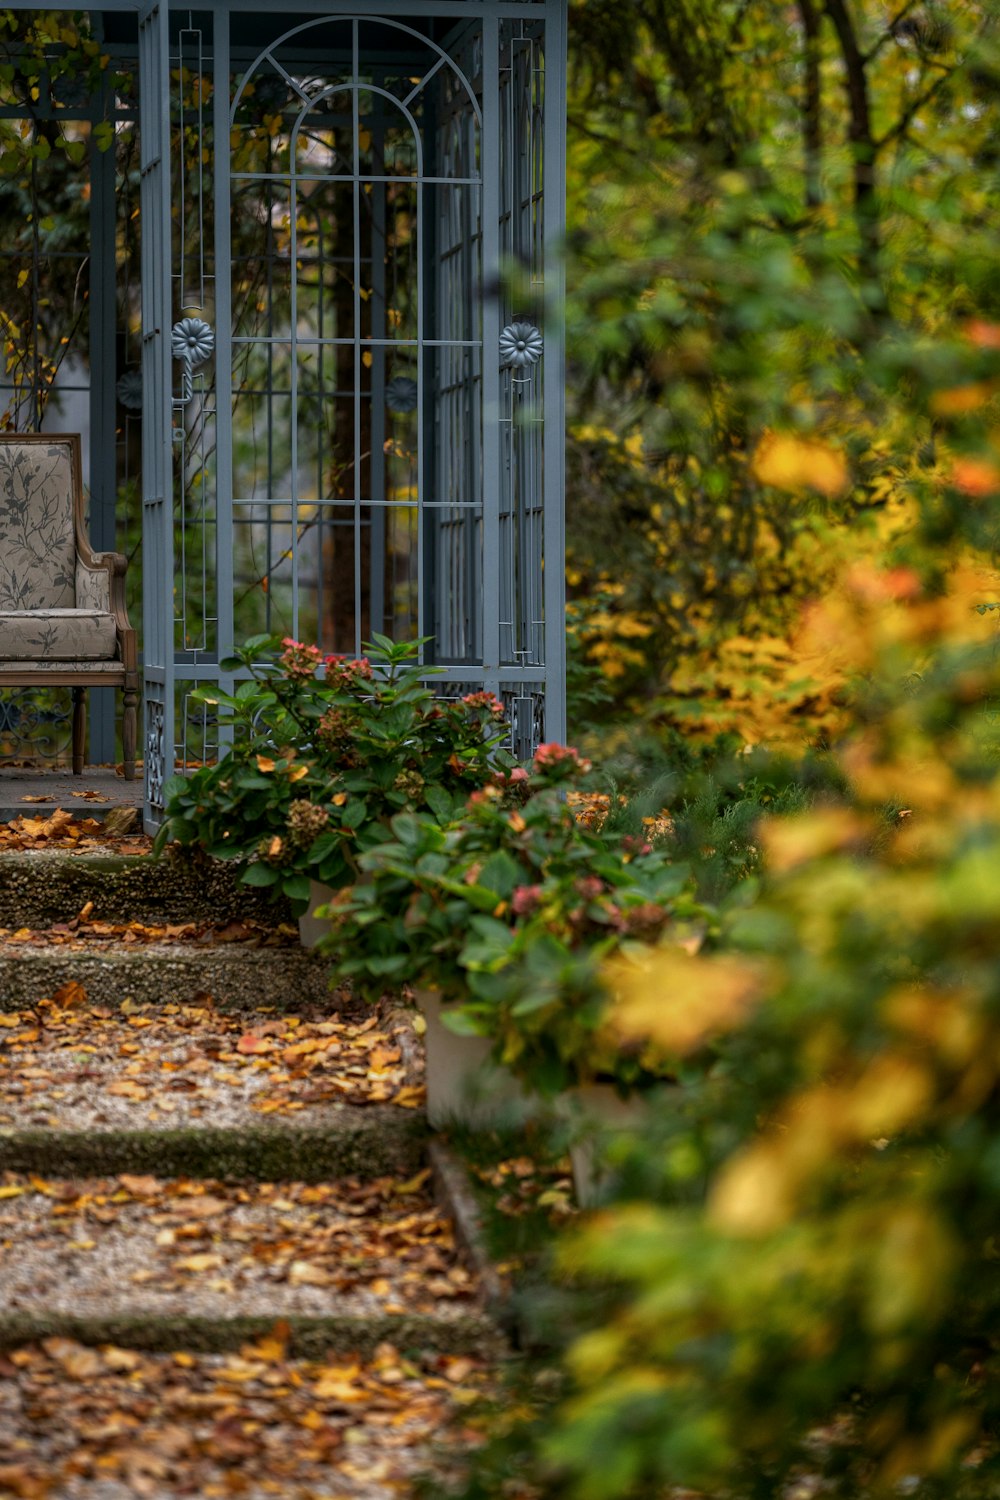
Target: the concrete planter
(311, 928)
(596, 1111)
(463, 1085)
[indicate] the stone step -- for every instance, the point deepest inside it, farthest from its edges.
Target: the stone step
(195, 1089)
(237, 976)
(176, 1263)
(39, 887)
(335, 1140)
(112, 1424)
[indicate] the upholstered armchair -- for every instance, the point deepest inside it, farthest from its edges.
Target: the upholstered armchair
(63, 620)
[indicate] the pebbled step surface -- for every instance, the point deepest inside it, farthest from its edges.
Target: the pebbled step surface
(112, 1424)
(238, 976)
(39, 887)
(179, 1262)
(193, 1089)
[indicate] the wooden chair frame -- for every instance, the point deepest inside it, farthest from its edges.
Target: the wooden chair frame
(26, 674)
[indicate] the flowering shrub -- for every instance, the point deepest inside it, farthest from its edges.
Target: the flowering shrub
(509, 910)
(325, 752)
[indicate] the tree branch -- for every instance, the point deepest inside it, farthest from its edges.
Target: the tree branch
(862, 147)
(889, 35)
(812, 114)
(914, 107)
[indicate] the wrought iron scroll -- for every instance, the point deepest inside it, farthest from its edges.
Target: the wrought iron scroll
(35, 725)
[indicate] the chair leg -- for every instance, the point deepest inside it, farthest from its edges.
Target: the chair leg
(79, 728)
(128, 732)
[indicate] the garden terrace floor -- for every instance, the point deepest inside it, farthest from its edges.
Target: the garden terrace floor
(95, 793)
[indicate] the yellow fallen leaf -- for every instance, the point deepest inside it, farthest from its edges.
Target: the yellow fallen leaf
(413, 1096)
(414, 1184)
(304, 1273)
(205, 1261)
(331, 1389)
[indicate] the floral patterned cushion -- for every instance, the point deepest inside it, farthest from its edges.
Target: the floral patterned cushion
(93, 587)
(37, 539)
(112, 672)
(57, 635)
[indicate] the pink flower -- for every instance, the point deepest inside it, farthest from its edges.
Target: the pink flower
(344, 671)
(590, 887)
(525, 899)
(551, 755)
(298, 660)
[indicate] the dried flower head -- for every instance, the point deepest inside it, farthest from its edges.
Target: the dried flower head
(305, 822)
(409, 782)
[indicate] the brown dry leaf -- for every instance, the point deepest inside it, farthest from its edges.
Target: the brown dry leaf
(140, 1187)
(29, 798)
(303, 1273)
(203, 1206)
(76, 1360)
(126, 1088)
(250, 1044)
(19, 1480)
(69, 994)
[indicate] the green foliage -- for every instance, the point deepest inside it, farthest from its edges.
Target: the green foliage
(777, 222)
(510, 910)
(51, 64)
(325, 752)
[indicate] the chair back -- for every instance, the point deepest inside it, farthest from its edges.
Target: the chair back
(39, 497)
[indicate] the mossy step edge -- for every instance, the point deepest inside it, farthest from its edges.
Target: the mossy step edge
(309, 1337)
(381, 1141)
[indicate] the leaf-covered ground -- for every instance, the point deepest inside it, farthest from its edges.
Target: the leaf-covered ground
(85, 932)
(116, 834)
(93, 1246)
(69, 1064)
(107, 1424)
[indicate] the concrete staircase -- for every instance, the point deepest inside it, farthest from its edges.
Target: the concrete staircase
(204, 1150)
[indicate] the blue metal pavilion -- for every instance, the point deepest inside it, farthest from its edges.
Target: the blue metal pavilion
(351, 357)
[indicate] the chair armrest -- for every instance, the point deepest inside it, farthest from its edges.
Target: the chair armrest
(100, 584)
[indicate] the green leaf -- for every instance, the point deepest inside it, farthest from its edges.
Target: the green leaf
(501, 873)
(296, 887)
(261, 874)
(497, 933)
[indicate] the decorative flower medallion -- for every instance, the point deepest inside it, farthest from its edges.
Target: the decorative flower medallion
(129, 390)
(520, 345)
(401, 394)
(192, 341)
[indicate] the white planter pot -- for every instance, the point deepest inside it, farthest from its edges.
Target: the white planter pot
(463, 1085)
(596, 1111)
(311, 929)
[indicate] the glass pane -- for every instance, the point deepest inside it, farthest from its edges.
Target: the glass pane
(262, 417)
(324, 257)
(453, 549)
(390, 280)
(261, 254)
